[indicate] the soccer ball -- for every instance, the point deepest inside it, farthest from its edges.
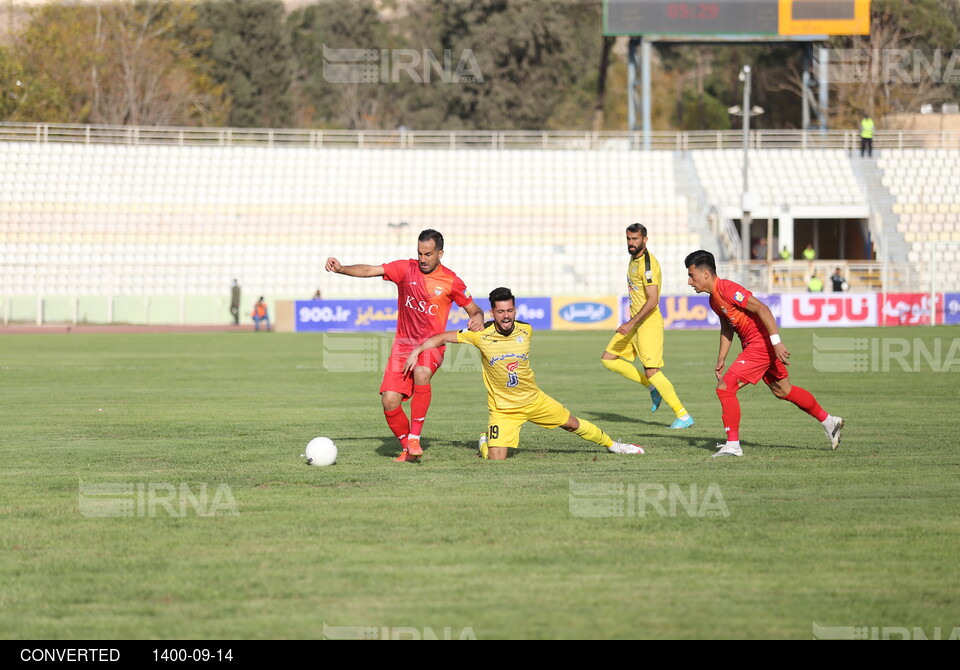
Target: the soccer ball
(321, 451)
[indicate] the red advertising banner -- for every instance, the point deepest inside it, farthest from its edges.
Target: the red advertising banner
(908, 309)
(806, 310)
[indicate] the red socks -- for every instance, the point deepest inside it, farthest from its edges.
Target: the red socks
(730, 411)
(397, 421)
(419, 404)
(805, 401)
(731, 406)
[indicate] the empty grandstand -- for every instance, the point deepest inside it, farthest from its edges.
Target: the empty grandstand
(150, 225)
(925, 185)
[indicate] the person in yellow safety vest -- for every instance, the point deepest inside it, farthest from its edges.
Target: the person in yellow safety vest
(815, 285)
(809, 253)
(866, 136)
(785, 254)
(260, 314)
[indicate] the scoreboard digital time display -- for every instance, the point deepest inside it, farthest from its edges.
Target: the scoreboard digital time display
(754, 18)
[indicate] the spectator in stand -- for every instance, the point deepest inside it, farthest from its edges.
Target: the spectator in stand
(839, 283)
(760, 249)
(866, 136)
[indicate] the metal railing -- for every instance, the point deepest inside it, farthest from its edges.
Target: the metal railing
(793, 276)
(471, 139)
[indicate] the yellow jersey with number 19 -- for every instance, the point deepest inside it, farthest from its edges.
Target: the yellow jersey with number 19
(644, 271)
(506, 364)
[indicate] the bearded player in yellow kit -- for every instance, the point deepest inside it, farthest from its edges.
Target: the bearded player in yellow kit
(513, 397)
(642, 335)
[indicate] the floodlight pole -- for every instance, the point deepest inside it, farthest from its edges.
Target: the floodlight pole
(646, 54)
(746, 219)
(824, 88)
(631, 85)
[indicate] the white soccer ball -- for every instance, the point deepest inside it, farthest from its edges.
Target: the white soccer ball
(321, 451)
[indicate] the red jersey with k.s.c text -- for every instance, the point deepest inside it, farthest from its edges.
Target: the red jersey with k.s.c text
(728, 300)
(423, 301)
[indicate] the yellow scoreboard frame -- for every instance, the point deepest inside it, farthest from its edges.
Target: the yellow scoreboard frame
(858, 25)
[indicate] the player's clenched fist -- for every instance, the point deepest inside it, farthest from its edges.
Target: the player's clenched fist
(333, 265)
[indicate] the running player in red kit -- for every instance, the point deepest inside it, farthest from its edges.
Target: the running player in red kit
(763, 357)
(425, 292)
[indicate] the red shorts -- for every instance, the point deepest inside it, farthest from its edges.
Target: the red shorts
(393, 379)
(754, 364)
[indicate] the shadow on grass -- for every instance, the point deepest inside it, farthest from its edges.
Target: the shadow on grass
(659, 420)
(651, 439)
(611, 417)
(714, 445)
(390, 447)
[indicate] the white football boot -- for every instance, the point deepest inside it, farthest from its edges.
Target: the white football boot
(832, 427)
(624, 448)
(728, 450)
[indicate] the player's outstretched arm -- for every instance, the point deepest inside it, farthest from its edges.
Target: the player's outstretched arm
(333, 265)
(770, 323)
(449, 337)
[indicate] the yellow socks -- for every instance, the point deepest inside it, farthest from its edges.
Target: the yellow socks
(592, 433)
(625, 369)
(663, 385)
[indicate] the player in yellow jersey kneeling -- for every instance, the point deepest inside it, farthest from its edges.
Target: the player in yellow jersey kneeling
(513, 397)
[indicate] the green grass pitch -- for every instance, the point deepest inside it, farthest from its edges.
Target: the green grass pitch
(795, 534)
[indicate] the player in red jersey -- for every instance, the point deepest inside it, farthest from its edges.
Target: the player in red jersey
(425, 292)
(764, 356)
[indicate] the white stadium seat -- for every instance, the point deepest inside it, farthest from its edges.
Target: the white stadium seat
(146, 217)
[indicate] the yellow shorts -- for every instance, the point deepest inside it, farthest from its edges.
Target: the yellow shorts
(643, 342)
(503, 429)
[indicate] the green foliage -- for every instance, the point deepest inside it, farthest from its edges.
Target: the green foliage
(528, 60)
(337, 24)
(25, 97)
(60, 46)
(927, 24)
(898, 30)
(536, 65)
(120, 63)
(531, 59)
(251, 56)
(703, 112)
